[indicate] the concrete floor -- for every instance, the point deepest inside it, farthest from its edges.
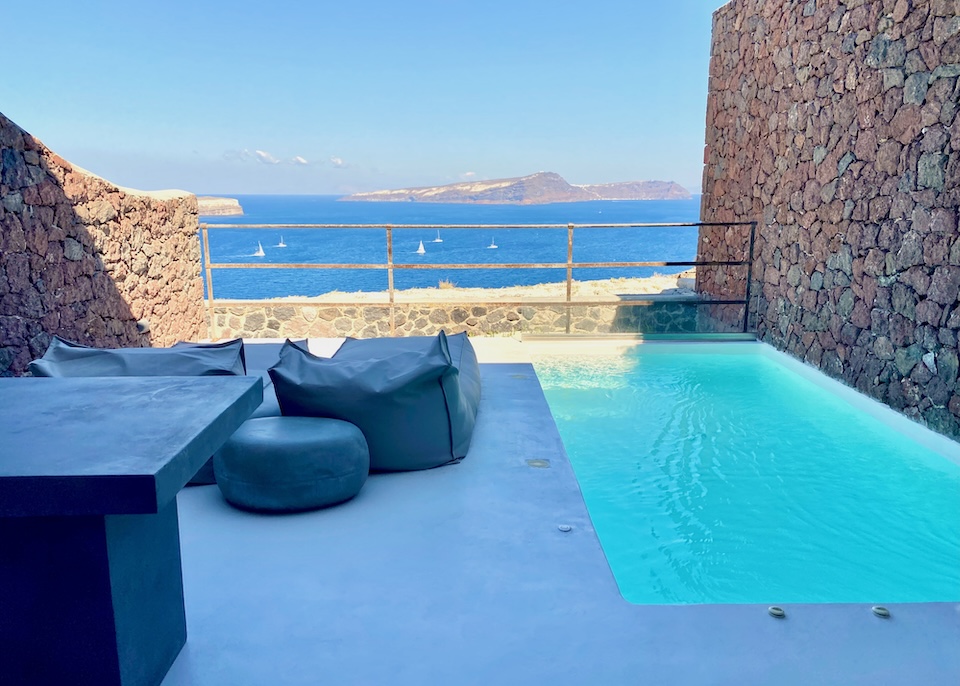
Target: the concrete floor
(460, 575)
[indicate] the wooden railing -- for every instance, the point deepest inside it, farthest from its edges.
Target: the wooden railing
(390, 266)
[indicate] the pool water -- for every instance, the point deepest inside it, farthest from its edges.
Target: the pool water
(730, 478)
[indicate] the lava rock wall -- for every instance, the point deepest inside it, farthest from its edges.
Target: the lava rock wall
(88, 261)
(834, 125)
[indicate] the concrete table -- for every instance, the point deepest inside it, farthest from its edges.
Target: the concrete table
(91, 590)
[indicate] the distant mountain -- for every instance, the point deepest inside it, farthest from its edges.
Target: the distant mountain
(537, 189)
(639, 190)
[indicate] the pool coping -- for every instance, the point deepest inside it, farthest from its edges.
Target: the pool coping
(461, 575)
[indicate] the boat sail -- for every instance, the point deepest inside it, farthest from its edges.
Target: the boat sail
(259, 252)
(438, 239)
(281, 244)
(492, 245)
(420, 250)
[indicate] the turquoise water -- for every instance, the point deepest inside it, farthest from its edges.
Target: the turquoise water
(727, 478)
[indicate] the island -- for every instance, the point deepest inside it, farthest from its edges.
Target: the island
(213, 206)
(536, 189)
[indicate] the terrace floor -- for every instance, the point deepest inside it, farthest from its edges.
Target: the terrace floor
(460, 575)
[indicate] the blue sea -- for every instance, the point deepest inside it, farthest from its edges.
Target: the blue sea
(456, 246)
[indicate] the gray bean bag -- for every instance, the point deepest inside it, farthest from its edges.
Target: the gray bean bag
(288, 464)
(461, 390)
(64, 358)
(415, 399)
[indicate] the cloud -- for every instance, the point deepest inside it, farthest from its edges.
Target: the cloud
(237, 155)
(467, 176)
(338, 162)
(265, 157)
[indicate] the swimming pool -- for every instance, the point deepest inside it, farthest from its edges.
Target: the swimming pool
(730, 473)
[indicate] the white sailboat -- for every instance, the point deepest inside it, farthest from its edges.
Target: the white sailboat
(437, 239)
(492, 246)
(420, 250)
(259, 252)
(281, 244)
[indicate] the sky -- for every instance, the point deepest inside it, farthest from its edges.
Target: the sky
(328, 98)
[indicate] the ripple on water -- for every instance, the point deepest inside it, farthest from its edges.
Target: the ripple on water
(730, 479)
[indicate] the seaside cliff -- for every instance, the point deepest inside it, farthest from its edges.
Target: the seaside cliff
(218, 207)
(536, 189)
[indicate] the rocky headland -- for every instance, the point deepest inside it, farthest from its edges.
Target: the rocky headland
(213, 206)
(536, 189)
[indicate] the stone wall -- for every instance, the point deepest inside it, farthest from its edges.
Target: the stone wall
(297, 320)
(835, 126)
(88, 261)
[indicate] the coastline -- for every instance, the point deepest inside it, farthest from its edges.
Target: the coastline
(217, 206)
(598, 290)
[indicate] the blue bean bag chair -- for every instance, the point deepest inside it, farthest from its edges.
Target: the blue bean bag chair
(415, 399)
(64, 358)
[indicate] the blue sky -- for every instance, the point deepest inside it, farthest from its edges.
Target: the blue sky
(300, 97)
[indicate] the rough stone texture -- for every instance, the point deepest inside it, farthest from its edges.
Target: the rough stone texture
(834, 125)
(476, 318)
(88, 261)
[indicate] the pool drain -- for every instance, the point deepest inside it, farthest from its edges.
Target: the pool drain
(777, 612)
(565, 528)
(539, 464)
(881, 611)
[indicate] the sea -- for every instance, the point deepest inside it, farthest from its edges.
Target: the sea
(505, 244)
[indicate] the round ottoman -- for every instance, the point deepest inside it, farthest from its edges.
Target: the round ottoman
(285, 464)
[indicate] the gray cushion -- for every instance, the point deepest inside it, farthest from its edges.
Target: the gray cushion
(286, 464)
(461, 390)
(64, 358)
(404, 394)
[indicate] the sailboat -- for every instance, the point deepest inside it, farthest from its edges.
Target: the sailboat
(438, 239)
(281, 244)
(492, 245)
(259, 252)
(420, 250)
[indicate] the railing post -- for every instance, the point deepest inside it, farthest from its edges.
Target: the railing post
(746, 306)
(393, 316)
(569, 275)
(211, 324)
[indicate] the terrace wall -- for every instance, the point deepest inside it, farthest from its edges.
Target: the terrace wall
(835, 126)
(86, 260)
(319, 320)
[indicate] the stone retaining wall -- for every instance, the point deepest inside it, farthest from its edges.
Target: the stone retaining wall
(257, 320)
(835, 126)
(88, 261)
